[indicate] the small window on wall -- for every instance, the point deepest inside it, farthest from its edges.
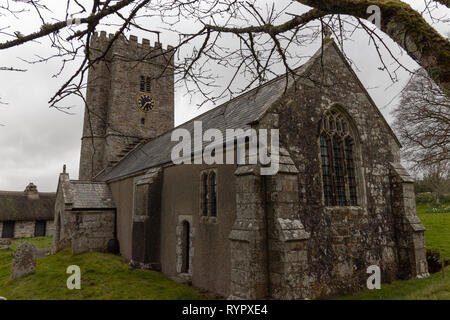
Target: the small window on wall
(204, 194)
(8, 229)
(39, 228)
(213, 191)
(209, 193)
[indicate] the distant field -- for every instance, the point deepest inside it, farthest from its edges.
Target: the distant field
(437, 235)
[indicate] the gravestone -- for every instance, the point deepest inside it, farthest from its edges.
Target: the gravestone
(24, 261)
(4, 244)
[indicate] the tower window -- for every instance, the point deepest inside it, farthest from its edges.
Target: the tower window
(337, 160)
(142, 83)
(147, 84)
(142, 120)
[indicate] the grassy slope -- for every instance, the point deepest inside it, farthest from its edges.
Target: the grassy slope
(107, 276)
(437, 238)
(431, 288)
(104, 276)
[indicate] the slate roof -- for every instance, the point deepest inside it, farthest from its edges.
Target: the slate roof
(239, 112)
(88, 195)
(16, 206)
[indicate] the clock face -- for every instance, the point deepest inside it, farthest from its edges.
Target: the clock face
(145, 103)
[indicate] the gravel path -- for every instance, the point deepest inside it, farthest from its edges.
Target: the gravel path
(42, 252)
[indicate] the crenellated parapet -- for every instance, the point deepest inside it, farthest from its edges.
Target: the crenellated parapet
(126, 46)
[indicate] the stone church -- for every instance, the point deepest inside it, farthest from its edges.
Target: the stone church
(340, 202)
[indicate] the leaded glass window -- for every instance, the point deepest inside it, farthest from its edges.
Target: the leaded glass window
(326, 170)
(205, 194)
(337, 160)
(213, 189)
(350, 170)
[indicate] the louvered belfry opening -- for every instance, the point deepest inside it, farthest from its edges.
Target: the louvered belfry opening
(39, 228)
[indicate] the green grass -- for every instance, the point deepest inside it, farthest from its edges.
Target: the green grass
(437, 235)
(431, 288)
(103, 276)
(38, 242)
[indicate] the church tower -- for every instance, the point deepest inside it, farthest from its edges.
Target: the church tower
(129, 99)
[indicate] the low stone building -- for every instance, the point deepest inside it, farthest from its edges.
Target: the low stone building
(26, 214)
(85, 215)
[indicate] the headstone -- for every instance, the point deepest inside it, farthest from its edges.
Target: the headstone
(4, 244)
(24, 261)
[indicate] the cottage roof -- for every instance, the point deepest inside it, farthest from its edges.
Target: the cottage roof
(28, 205)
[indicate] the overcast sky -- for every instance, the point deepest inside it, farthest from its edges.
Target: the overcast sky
(36, 141)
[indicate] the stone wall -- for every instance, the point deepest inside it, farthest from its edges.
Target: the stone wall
(92, 230)
(25, 229)
(344, 240)
(248, 238)
(50, 228)
(84, 230)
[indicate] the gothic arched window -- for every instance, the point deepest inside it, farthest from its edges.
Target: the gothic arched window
(205, 194)
(213, 190)
(208, 191)
(337, 155)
